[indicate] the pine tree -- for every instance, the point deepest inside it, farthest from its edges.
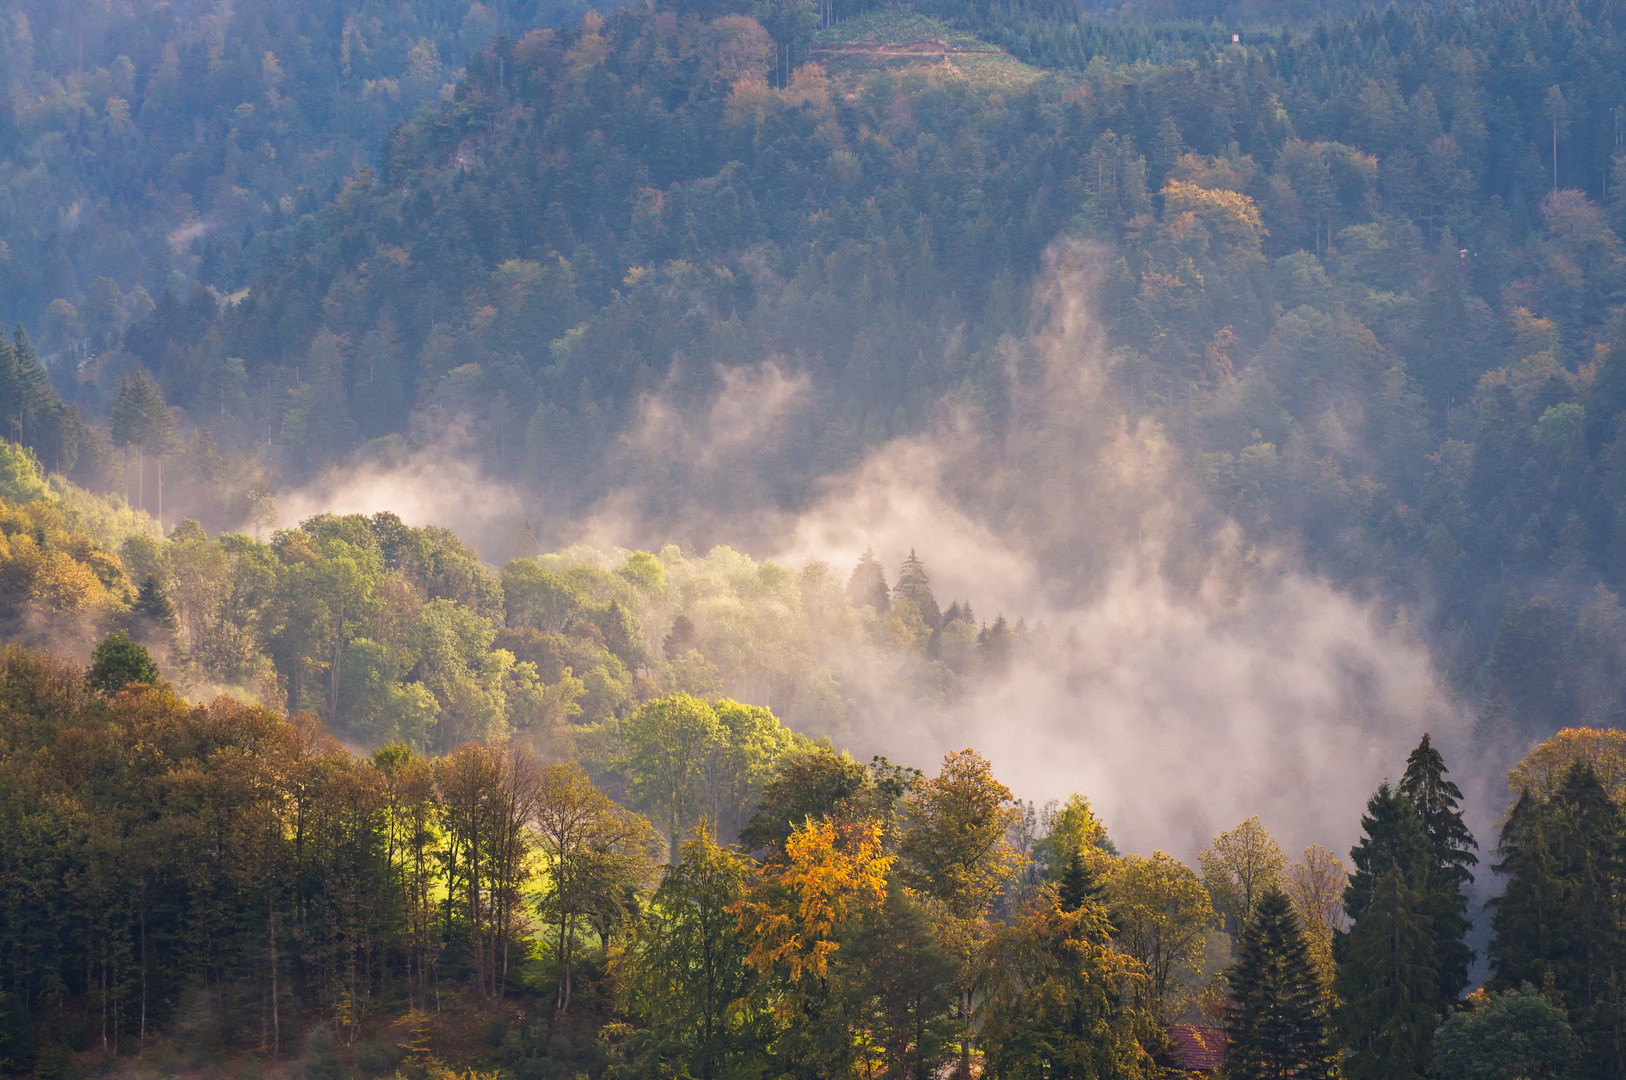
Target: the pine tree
(1436, 799)
(138, 417)
(915, 586)
(1388, 966)
(867, 586)
(1394, 836)
(28, 404)
(1558, 924)
(153, 613)
(1274, 1022)
(1079, 885)
(682, 639)
(1386, 985)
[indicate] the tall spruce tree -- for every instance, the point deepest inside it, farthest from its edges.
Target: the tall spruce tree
(1079, 885)
(1393, 836)
(1275, 1023)
(1387, 987)
(1436, 800)
(914, 586)
(1388, 969)
(1558, 923)
(867, 585)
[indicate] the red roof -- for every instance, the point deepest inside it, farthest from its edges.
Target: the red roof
(1201, 1049)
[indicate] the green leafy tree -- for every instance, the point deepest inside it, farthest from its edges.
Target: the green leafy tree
(1239, 867)
(900, 984)
(701, 1004)
(1061, 1001)
(118, 662)
(1275, 1024)
(1160, 915)
(813, 785)
(21, 478)
(670, 745)
(1516, 1035)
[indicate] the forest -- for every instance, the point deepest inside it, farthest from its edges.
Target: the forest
(1287, 315)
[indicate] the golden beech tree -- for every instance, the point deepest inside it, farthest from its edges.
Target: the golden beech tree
(831, 870)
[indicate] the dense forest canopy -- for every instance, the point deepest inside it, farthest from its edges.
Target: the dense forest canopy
(1365, 271)
(478, 480)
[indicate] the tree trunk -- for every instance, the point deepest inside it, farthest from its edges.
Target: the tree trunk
(333, 687)
(276, 1016)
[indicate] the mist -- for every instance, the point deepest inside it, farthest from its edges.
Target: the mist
(1193, 675)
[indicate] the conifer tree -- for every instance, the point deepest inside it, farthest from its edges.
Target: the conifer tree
(1387, 962)
(1558, 923)
(28, 404)
(1386, 985)
(915, 586)
(139, 418)
(1393, 836)
(867, 586)
(153, 612)
(1275, 1023)
(1079, 885)
(1436, 800)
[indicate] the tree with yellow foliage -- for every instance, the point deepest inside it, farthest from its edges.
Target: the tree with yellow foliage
(831, 869)
(1161, 914)
(1544, 770)
(793, 922)
(1315, 884)
(1239, 867)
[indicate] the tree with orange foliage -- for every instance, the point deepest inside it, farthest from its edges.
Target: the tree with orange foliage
(792, 922)
(831, 870)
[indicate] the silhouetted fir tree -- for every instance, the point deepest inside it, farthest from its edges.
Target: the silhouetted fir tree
(994, 642)
(153, 612)
(682, 639)
(915, 586)
(1558, 923)
(1436, 800)
(1386, 986)
(1393, 836)
(1274, 1023)
(1079, 885)
(867, 585)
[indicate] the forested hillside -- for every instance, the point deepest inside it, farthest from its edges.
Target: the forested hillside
(1366, 272)
(143, 145)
